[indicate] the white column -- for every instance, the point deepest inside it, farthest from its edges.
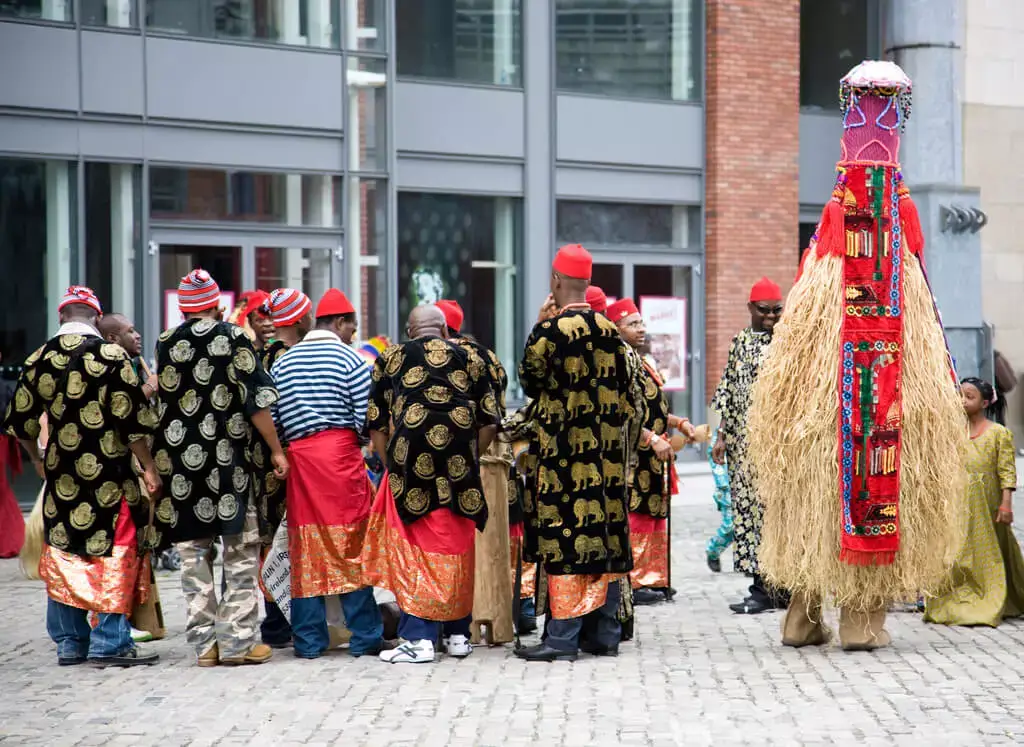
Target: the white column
(504, 282)
(320, 28)
(352, 26)
(504, 42)
(56, 10)
(293, 261)
(682, 40)
(354, 245)
(58, 231)
(119, 14)
(287, 13)
(122, 238)
(319, 191)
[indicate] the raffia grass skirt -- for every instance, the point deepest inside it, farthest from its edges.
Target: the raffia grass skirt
(794, 444)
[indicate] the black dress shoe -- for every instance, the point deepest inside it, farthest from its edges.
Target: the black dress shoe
(543, 652)
(70, 661)
(131, 658)
(669, 593)
(600, 650)
(527, 625)
(751, 606)
(715, 564)
(643, 597)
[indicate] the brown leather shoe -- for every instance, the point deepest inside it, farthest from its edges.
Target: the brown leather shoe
(258, 654)
(211, 658)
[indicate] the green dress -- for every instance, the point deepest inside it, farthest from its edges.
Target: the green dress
(988, 576)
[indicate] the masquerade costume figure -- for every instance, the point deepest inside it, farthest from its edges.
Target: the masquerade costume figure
(857, 430)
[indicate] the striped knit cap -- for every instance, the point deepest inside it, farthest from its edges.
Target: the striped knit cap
(288, 306)
(197, 292)
(80, 294)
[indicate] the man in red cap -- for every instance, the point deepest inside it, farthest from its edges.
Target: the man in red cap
(250, 314)
(291, 316)
(214, 392)
(732, 401)
(654, 480)
(324, 386)
(92, 509)
(597, 299)
(581, 379)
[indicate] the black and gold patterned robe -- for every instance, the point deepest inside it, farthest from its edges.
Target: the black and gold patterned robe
(211, 384)
(437, 397)
(648, 487)
(272, 504)
(496, 374)
(95, 408)
(578, 371)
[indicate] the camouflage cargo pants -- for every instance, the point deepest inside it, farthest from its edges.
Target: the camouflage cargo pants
(232, 621)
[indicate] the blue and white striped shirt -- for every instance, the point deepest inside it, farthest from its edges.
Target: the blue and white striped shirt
(323, 383)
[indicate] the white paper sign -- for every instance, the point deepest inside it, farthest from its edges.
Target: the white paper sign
(665, 318)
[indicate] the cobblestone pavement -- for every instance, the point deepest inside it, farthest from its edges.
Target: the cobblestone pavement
(695, 675)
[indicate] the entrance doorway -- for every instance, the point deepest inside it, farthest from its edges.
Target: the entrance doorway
(668, 289)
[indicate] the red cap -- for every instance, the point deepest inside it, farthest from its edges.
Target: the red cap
(288, 306)
(83, 295)
(765, 290)
(453, 314)
(573, 261)
(621, 309)
(596, 299)
(197, 292)
(334, 303)
(254, 300)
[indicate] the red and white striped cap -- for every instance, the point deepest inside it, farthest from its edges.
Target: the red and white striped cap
(288, 306)
(80, 294)
(197, 292)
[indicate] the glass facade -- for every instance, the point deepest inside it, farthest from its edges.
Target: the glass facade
(114, 13)
(465, 248)
(834, 36)
(113, 235)
(303, 23)
(471, 41)
(630, 48)
(177, 193)
(610, 223)
(367, 244)
(367, 122)
(45, 10)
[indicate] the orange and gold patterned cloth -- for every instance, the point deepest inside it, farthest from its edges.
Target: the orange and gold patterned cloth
(571, 596)
(111, 584)
(328, 498)
(529, 583)
(649, 539)
(427, 564)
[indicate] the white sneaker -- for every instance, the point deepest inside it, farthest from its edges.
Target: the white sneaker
(458, 646)
(140, 636)
(410, 652)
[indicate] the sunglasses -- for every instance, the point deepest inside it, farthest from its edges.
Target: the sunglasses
(766, 310)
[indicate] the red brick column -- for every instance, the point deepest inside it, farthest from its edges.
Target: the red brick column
(752, 109)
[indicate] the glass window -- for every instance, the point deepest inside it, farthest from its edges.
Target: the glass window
(116, 13)
(467, 249)
(309, 270)
(178, 193)
(367, 242)
(304, 23)
(113, 236)
(611, 223)
(366, 25)
(367, 114)
(629, 48)
(474, 41)
(834, 36)
(46, 10)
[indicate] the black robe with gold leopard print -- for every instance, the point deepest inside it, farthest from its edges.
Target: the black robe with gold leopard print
(211, 384)
(438, 397)
(577, 370)
(95, 408)
(647, 495)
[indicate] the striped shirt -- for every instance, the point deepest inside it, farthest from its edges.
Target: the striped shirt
(323, 383)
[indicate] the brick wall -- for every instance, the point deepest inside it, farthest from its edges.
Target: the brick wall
(752, 111)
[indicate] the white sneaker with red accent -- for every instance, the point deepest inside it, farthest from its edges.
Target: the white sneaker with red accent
(410, 652)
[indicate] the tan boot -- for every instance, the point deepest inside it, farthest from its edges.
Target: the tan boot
(211, 658)
(861, 630)
(258, 654)
(338, 636)
(803, 624)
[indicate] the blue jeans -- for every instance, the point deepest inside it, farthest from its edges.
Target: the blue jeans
(362, 618)
(598, 628)
(75, 638)
(413, 628)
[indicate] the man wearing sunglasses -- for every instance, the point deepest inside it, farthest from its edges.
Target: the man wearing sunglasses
(732, 402)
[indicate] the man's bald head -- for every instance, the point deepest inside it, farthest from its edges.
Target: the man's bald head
(119, 329)
(426, 320)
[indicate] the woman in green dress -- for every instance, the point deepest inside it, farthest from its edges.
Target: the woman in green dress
(988, 576)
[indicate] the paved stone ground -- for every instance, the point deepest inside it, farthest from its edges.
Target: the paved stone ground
(695, 675)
